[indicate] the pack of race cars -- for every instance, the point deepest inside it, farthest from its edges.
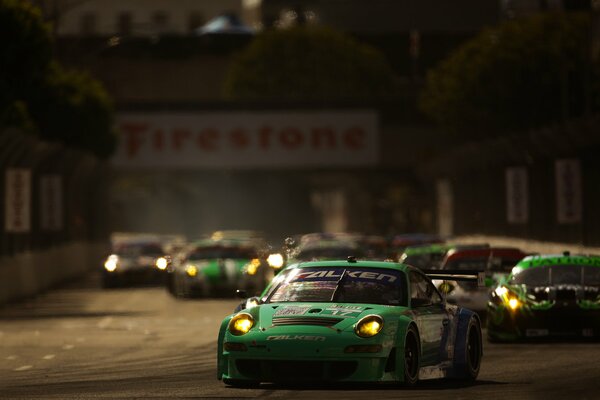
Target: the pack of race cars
(356, 308)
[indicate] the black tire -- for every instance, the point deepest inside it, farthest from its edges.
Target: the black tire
(412, 351)
(469, 369)
(241, 383)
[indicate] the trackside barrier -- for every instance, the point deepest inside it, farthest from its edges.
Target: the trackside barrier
(53, 224)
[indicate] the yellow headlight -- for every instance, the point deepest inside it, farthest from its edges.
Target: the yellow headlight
(191, 270)
(369, 326)
(241, 324)
(161, 263)
(514, 303)
(252, 266)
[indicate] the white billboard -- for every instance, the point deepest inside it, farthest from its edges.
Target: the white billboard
(568, 191)
(517, 195)
(18, 200)
(240, 140)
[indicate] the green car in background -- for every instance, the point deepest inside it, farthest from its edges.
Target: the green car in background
(547, 296)
(425, 256)
(217, 267)
(349, 321)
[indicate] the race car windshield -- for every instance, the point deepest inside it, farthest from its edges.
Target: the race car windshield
(559, 275)
(207, 253)
(321, 253)
(348, 285)
(135, 249)
(494, 264)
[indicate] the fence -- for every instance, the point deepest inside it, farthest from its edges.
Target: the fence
(542, 185)
(53, 223)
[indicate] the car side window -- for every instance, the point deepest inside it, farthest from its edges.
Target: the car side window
(422, 291)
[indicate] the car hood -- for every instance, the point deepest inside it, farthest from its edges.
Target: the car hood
(334, 315)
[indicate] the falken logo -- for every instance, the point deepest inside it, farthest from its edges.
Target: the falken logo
(297, 337)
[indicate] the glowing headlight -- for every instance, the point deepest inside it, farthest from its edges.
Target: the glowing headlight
(111, 263)
(501, 291)
(275, 260)
(161, 263)
(241, 324)
(191, 270)
(514, 303)
(369, 326)
(252, 266)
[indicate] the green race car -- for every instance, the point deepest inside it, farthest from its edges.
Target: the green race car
(217, 268)
(547, 296)
(349, 321)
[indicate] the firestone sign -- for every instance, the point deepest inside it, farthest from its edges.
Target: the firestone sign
(248, 140)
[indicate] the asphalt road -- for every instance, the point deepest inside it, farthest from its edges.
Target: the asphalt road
(84, 342)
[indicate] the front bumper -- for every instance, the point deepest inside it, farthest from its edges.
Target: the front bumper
(556, 322)
(285, 356)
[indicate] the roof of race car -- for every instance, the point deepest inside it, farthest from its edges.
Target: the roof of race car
(350, 264)
(541, 260)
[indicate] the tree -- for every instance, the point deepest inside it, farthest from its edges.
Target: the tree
(26, 50)
(308, 63)
(73, 108)
(522, 74)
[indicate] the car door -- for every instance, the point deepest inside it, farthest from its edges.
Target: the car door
(431, 318)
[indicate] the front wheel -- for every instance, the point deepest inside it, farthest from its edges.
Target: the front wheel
(411, 357)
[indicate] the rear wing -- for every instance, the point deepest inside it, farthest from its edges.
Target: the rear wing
(457, 275)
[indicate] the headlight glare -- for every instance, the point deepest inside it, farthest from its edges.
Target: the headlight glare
(161, 263)
(241, 324)
(111, 263)
(369, 326)
(191, 270)
(275, 260)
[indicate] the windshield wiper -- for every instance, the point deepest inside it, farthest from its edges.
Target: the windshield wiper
(337, 285)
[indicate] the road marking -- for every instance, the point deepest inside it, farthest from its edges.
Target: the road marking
(104, 322)
(68, 347)
(12, 357)
(23, 368)
(48, 356)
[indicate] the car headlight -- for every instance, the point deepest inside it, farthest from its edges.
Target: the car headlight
(111, 263)
(241, 324)
(161, 263)
(513, 303)
(369, 326)
(275, 260)
(191, 270)
(252, 266)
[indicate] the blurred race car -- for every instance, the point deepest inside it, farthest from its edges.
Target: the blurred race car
(350, 321)
(218, 267)
(427, 256)
(496, 262)
(326, 246)
(547, 296)
(400, 242)
(135, 261)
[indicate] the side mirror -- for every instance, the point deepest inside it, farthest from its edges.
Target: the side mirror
(241, 294)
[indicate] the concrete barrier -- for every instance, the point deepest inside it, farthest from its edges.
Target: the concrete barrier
(27, 274)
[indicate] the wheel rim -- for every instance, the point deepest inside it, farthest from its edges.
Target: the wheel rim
(473, 348)
(411, 358)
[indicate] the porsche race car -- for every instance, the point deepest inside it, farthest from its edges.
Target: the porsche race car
(547, 296)
(349, 321)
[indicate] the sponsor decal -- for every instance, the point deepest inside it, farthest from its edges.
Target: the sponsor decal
(291, 310)
(337, 274)
(343, 311)
(309, 338)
